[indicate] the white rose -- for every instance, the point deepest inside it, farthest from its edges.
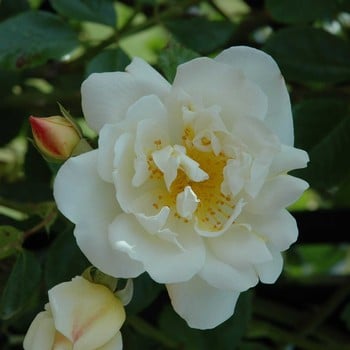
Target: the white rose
(80, 315)
(189, 181)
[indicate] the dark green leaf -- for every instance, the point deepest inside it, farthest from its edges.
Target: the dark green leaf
(31, 38)
(10, 241)
(64, 260)
(100, 11)
(345, 315)
(306, 54)
(172, 56)
(200, 34)
(323, 128)
(253, 346)
(10, 8)
(296, 11)
(317, 258)
(108, 61)
(145, 292)
(22, 283)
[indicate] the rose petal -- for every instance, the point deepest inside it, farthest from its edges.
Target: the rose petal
(41, 333)
(260, 68)
(218, 84)
(239, 247)
(276, 194)
(107, 96)
(200, 304)
(221, 275)
(115, 344)
(163, 260)
(92, 239)
(269, 271)
(81, 194)
(289, 158)
(278, 229)
(86, 313)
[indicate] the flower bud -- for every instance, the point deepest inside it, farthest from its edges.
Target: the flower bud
(56, 137)
(80, 315)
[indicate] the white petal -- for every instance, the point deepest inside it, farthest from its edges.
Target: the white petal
(41, 333)
(90, 203)
(106, 143)
(186, 203)
(115, 344)
(222, 275)
(200, 304)
(107, 96)
(92, 239)
(218, 84)
(278, 229)
(86, 313)
(269, 271)
(81, 194)
(154, 223)
(289, 158)
(277, 193)
(260, 68)
(239, 247)
(165, 261)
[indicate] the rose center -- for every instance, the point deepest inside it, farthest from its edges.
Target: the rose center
(214, 208)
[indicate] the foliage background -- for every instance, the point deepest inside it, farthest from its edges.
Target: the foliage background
(47, 48)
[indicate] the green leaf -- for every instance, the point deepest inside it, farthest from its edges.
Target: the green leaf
(32, 38)
(172, 56)
(22, 283)
(100, 11)
(10, 8)
(296, 11)
(345, 315)
(64, 260)
(108, 61)
(307, 54)
(145, 292)
(10, 240)
(322, 127)
(200, 34)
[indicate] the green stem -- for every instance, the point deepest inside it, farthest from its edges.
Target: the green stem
(147, 330)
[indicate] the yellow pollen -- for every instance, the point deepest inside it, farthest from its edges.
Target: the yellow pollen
(214, 208)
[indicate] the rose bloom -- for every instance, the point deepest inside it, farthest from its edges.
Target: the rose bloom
(189, 181)
(80, 315)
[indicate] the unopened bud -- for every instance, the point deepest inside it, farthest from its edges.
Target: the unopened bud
(56, 137)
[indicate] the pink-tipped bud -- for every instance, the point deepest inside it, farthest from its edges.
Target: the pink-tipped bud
(56, 137)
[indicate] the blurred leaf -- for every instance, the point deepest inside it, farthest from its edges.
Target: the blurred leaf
(307, 54)
(320, 258)
(145, 292)
(172, 56)
(108, 61)
(31, 38)
(345, 315)
(322, 127)
(22, 283)
(296, 11)
(200, 34)
(10, 8)
(134, 340)
(10, 241)
(64, 260)
(253, 346)
(100, 11)
(226, 336)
